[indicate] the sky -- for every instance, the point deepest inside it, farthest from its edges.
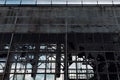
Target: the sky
(60, 1)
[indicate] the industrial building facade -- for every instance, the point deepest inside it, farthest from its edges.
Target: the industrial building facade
(60, 42)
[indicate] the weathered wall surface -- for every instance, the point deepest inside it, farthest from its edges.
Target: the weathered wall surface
(58, 19)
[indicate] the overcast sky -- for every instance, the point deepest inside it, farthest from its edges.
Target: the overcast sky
(61, 1)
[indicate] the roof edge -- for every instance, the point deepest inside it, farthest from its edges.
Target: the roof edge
(57, 5)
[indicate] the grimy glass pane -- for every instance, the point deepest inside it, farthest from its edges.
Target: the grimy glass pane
(2, 1)
(28, 1)
(59, 2)
(13, 1)
(43, 1)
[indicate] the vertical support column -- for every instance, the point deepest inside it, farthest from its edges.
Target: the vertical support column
(35, 61)
(25, 62)
(58, 60)
(15, 70)
(66, 46)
